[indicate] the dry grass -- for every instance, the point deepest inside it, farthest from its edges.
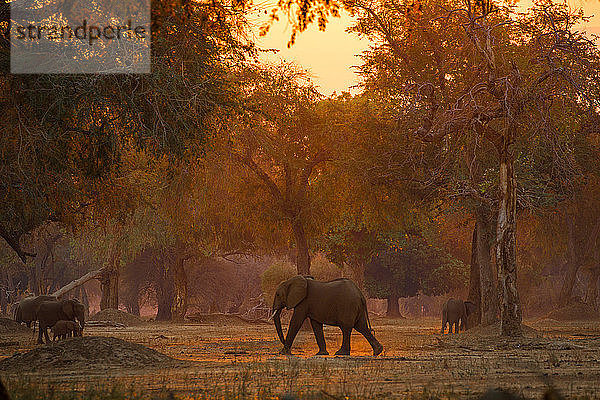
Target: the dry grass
(235, 361)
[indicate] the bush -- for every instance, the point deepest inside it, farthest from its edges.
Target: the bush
(282, 270)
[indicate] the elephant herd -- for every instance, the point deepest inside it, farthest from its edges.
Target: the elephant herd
(341, 303)
(338, 303)
(59, 315)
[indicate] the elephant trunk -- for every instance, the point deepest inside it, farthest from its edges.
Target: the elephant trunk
(81, 319)
(277, 321)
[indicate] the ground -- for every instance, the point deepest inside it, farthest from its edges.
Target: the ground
(232, 358)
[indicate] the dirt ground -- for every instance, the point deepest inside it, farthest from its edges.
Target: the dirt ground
(233, 359)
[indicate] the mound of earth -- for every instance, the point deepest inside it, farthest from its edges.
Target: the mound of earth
(87, 353)
(488, 338)
(8, 326)
(222, 319)
(494, 330)
(574, 312)
(116, 316)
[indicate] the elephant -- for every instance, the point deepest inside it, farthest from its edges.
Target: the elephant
(50, 312)
(338, 302)
(25, 310)
(64, 328)
(455, 311)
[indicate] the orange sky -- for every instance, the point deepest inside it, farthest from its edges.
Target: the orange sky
(330, 55)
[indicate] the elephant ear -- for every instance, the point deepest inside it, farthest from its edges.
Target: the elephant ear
(67, 307)
(470, 307)
(296, 291)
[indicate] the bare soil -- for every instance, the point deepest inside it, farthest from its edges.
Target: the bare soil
(112, 315)
(87, 353)
(242, 358)
(223, 319)
(8, 326)
(574, 312)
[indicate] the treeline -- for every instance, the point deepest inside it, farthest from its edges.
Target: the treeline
(470, 155)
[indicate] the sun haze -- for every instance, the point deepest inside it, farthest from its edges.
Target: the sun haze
(328, 55)
(331, 54)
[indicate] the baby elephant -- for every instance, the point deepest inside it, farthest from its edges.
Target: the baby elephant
(455, 311)
(63, 329)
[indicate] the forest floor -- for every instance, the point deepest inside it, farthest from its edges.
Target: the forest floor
(236, 359)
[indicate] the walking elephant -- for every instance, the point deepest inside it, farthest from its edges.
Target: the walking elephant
(338, 302)
(455, 311)
(50, 312)
(25, 310)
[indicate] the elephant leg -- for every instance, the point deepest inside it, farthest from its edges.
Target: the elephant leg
(345, 349)
(40, 341)
(362, 327)
(444, 322)
(295, 324)
(318, 331)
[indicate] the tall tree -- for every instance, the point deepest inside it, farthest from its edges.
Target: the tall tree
(467, 67)
(279, 139)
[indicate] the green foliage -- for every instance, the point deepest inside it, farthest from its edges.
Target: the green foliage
(282, 270)
(407, 265)
(74, 143)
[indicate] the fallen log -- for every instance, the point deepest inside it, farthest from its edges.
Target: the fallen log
(78, 282)
(105, 324)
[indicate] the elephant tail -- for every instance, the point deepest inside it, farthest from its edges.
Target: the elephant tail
(364, 301)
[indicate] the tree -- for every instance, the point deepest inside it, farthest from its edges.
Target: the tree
(64, 136)
(280, 141)
(465, 67)
(408, 265)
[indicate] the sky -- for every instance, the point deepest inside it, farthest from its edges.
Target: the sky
(330, 55)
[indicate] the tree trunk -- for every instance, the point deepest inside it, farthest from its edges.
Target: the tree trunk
(85, 300)
(77, 282)
(474, 295)
(487, 275)
(573, 265)
(592, 287)
(506, 256)
(105, 289)
(114, 287)
(109, 283)
(132, 299)
(164, 286)
(302, 254)
(179, 304)
(393, 308)
(133, 306)
(3, 299)
(109, 287)
(164, 300)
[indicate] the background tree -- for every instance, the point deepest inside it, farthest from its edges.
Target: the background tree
(283, 143)
(408, 265)
(472, 73)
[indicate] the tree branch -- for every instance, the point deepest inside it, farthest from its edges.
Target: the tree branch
(262, 175)
(13, 242)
